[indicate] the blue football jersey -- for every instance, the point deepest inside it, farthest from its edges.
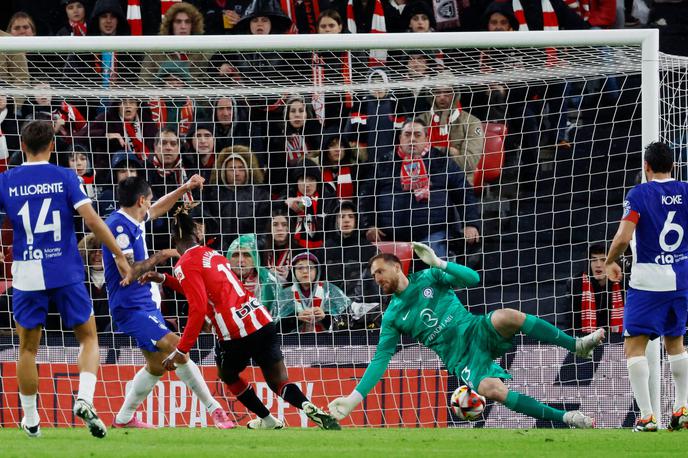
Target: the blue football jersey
(130, 236)
(40, 199)
(660, 245)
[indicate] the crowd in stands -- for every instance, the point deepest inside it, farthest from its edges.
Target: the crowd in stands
(301, 190)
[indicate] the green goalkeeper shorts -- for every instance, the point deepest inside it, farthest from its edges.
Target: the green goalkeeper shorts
(483, 344)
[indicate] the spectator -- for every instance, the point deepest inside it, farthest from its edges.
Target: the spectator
(14, 71)
(278, 244)
(202, 149)
(165, 167)
(346, 256)
(123, 165)
(339, 172)
(221, 16)
(311, 304)
(263, 17)
(415, 196)
(418, 66)
(21, 25)
(125, 126)
(181, 19)
(298, 139)
(596, 301)
(455, 131)
(245, 263)
(418, 16)
(394, 9)
(236, 202)
(9, 132)
(79, 160)
(175, 113)
(76, 18)
(308, 202)
(108, 67)
(92, 255)
(231, 123)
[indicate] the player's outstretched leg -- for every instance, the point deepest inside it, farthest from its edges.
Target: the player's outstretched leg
(495, 389)
(508, 322)
(278, 381)
(27, 377)
(142, 384)
(247, 396)
(88, 368)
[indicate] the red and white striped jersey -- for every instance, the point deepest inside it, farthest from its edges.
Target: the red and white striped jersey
(213, 291)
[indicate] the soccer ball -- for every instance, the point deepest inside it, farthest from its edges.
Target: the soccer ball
(467, 404)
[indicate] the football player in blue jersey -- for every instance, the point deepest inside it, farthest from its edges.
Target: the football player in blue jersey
(40, 199)
(654, 220)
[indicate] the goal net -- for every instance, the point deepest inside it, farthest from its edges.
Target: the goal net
(525, 156)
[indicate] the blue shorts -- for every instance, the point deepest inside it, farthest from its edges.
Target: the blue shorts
(655, 313)
(146, 326)
(30, 308)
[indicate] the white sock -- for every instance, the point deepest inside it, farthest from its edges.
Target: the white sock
(679, 373)
(190, 374)
(28, 403)
(269, 421)
(87, 386)
(142, 384)
(639, 376)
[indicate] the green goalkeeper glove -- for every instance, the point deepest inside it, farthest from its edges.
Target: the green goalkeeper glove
(428, 256)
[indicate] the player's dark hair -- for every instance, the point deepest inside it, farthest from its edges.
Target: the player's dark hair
(183, 225)
(36, 136)
(387, 257)
(596, 248)
(659, 157)
(130, 189)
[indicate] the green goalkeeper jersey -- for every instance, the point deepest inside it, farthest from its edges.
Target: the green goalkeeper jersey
(429, 311)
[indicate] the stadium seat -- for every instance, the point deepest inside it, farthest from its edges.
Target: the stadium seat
(402, 250)
(489, 168)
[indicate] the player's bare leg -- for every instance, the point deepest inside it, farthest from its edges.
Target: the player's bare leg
(27, 377)
(678, 361)
(495, 389)
(277, 379)
(508, 322)
(639, 375)
(89, 360)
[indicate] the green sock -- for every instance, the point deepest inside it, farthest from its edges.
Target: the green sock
(541, 330)
(528, 406)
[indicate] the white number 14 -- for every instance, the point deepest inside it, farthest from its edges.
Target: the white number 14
(41, 226)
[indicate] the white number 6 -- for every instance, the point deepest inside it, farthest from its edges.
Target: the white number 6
(670, 226)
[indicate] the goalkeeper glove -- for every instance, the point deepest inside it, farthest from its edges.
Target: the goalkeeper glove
(342, 407)
(428, 256)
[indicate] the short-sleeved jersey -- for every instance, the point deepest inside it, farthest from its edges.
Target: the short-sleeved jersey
(660, 246)
(130, 236)
(40, 199)
(214, 292)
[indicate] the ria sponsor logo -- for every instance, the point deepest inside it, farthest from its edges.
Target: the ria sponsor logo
(32, 255)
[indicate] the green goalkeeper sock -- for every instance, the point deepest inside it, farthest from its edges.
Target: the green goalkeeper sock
(541, 330)
(528, 406)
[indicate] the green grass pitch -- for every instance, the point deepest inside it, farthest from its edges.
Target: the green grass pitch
(352, 442)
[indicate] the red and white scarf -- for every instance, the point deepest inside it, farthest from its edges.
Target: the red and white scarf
(74, 120)
(133, 135)
(414, 175)
(318, 96)
(317, 296)
(78, 28)
(378, 25)
(339, 178)
(306, 224)
(589, 307)
(438, 132)
(158, 109)
(582, 7)
(134, 17)
(549, 22)
(177, 170)
(296, 148)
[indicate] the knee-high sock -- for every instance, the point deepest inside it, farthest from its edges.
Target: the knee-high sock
(142, 384)
(639, 375)
(292, 394)
(679, 373)
(28, 403)
(190, 374)
(526, 405)
(87, 386)
(247, 396)
(543, 331)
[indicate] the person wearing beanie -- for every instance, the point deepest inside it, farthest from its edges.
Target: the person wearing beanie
(419, 17)
(311, 304)
(76, 13)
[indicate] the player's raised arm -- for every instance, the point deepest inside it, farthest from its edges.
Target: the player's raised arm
(166, 202)
(389, 336)
(138, 268)
(456, 275)
(102, 233)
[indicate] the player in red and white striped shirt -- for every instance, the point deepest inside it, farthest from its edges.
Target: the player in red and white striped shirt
(242, 325)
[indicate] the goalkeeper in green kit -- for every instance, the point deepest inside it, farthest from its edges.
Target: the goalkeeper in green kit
(425, 306)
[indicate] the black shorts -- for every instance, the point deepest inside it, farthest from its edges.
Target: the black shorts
(263, 346)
